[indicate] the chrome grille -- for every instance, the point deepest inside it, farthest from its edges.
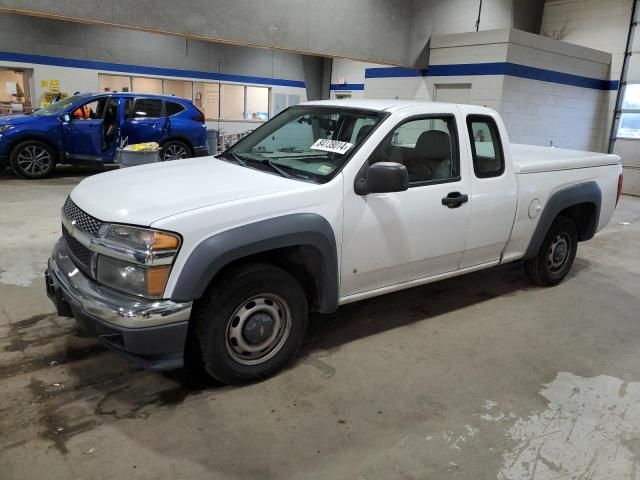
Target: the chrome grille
(80, 254)
(83, 221)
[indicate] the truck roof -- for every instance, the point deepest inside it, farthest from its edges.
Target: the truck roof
(388, 105)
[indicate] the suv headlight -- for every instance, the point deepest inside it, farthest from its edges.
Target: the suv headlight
(136, 260)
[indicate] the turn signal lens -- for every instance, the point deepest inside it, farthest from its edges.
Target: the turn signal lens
(142, 238)
(157, 279)
(164, 241)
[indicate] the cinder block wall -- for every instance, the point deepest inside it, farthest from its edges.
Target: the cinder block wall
(549, 92)
(603, 25)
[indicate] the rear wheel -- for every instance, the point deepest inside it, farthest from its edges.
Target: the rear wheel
(175, 150)
(251, 323)
(556, 255)
(32, 159)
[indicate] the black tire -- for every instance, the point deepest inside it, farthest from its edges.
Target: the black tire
(32, 159)
(223, 317)
(175, 150)
(556, 255)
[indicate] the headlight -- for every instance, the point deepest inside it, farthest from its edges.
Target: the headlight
(142, 238)
(131, 278)
(4, 128)
(136, 260)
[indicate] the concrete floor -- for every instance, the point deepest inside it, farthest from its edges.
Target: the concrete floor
(483, 377)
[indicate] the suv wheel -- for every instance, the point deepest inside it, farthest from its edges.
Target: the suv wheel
(32, 159)
(251, 323)
(556, 255)
(175, 150)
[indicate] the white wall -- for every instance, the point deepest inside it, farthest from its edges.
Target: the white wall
(603, 25)
(535, 111)
(542, 113)
(349, 71)
(598, 24)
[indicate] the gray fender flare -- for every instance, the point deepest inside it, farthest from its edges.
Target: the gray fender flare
(588, 192)
(217, 251)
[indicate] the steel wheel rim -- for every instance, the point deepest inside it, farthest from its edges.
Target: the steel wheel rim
(175, 152)
(558, 253)
(34, 159)
(244, 348)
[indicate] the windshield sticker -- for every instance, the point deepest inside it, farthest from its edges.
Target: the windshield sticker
(331, 146)
(325, 169)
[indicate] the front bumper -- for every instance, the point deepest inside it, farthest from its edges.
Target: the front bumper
(151, 333)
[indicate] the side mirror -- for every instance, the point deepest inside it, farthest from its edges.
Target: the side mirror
(383, 177)
(66, 118)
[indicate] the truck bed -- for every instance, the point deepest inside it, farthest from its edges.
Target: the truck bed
(533, 159)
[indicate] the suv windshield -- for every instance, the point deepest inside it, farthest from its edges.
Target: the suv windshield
(307, 143)
(58, 106)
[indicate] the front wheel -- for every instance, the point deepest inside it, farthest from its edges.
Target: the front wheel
(556, 255)
(175, 150)
(32, 159)
(251, 323)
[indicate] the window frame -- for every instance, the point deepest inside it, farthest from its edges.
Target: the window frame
(491, 123)
(106, 99)
(622, 111)
(455, 143)
(163, 112)
(384, 115)
(165, 102)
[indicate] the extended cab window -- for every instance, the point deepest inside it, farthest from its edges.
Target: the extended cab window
(486, 148)
(145, 108)
(426, 146)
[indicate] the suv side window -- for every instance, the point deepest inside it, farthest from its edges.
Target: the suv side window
(172, 108)
(486, 148)
(145, 108)
(427, 146)
(91, 110)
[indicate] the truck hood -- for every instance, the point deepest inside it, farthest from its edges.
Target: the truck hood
(144, 194)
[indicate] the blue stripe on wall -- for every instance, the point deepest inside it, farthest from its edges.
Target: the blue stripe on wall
(495, 68)
(347, 86)
(141, 70)
(388, 72)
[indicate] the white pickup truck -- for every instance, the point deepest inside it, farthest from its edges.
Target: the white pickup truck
(220, 260)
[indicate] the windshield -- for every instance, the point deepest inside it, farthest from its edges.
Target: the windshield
(307, 143)
(58, 106)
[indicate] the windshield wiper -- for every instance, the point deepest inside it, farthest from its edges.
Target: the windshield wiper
(263, 161)
(274, 167)
(235, 157)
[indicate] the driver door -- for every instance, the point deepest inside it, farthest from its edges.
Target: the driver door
(394, 238)
(83, 133)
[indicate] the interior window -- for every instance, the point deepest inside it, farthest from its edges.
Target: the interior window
(145, 108)
(426, 146)
(173, 108)
(488, 158)
(90, 111)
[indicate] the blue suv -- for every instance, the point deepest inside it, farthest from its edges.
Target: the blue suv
(86, 129)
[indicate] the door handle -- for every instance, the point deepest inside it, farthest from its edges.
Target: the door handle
(455, 199)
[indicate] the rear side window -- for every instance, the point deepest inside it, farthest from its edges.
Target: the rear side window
(145, 108)
(173, 108)
(486, 148)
